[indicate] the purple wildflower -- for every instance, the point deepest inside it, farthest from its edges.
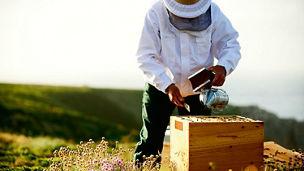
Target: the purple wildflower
(118, 162)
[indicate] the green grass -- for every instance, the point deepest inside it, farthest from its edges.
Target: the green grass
(19, 152)
(69, 112)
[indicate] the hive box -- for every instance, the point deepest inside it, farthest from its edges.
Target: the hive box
(200, 143)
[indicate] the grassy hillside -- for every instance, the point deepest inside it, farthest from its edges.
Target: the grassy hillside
(69, 112)
(80, 113)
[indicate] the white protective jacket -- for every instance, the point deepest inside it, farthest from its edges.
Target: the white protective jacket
(167, 55)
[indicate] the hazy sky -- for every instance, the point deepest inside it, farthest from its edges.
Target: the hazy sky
(93, 42)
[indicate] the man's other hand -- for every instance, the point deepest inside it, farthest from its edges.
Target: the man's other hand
(220, 75)
(175, 96)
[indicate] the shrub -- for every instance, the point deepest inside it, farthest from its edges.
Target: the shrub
(99, 156)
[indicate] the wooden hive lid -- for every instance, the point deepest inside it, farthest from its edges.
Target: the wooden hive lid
(215, 119)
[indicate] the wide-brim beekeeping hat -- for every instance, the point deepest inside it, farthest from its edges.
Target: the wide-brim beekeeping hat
(187, 8)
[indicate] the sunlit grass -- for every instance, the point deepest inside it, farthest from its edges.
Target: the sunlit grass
(67, 112)
(35, 153)
(19, 151)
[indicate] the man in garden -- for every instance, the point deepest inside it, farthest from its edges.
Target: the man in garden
(179, 38)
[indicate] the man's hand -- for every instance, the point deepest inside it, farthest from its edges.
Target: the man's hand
(175, 96)
(220, 75)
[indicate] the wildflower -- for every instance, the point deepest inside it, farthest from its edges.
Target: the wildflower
(118, 162)
(107, 165)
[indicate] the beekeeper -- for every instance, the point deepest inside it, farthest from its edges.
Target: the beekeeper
(179, 38)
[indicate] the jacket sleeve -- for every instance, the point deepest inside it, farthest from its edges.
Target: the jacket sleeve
(225, 46)
(148, 54)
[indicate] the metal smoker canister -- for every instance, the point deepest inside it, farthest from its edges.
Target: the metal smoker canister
(214, 98)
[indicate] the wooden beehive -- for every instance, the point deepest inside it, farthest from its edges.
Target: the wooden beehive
(200, 143)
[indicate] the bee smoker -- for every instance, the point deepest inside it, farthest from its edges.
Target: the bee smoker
(214, 98)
